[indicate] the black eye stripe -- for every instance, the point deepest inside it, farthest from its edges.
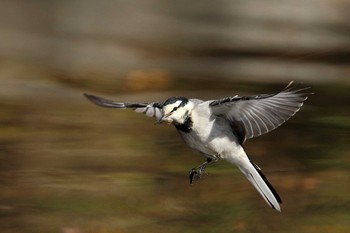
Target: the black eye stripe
(174, 109)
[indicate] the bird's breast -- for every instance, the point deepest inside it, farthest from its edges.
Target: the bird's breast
(186, 127)
(211, 135)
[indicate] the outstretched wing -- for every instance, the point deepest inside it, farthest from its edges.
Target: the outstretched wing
(252, 116)
(149, 109)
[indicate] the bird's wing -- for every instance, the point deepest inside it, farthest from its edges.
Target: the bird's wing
(149, 109)
(252, 116)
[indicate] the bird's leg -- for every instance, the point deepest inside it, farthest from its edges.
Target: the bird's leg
(196, 172)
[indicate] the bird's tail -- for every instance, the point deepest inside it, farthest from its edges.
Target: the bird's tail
(261, 183)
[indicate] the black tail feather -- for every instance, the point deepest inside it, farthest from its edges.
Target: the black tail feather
(273, 190)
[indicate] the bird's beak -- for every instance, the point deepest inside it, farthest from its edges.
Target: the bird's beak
(164, 118)
(168, 120)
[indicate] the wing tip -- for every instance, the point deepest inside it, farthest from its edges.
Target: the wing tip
(86, 95)
(103, 102)
(90, 97)
(294, 89)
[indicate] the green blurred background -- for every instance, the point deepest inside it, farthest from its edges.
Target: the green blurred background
(69, 166)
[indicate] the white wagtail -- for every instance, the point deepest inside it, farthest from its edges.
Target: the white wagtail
(218, 128)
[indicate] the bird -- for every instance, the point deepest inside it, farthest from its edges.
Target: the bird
(218, 128)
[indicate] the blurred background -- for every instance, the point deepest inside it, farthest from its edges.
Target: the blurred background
(69, 166)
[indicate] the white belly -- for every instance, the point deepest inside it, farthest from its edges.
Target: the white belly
(211, 136)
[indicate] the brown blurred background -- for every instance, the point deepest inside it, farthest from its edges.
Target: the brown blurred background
(69, 166)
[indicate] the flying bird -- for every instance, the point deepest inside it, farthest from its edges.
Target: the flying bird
(218, 128)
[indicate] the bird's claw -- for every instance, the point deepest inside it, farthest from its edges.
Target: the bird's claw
(193, 174)
(196, 173)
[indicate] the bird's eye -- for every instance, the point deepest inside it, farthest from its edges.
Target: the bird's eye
(174, 109)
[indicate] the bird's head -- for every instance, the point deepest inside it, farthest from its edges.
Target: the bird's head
(176, 110)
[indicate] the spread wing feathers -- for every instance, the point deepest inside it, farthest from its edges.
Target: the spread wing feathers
(150, 110)
(260, 182)
(257, 115)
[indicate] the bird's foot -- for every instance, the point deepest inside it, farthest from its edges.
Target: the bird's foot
(196, 173)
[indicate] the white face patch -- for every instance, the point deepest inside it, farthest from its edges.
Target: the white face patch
(169, 108)
(176, 112)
